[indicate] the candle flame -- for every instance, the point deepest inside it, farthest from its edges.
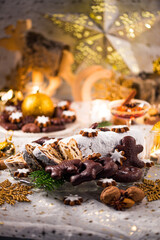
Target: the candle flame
(8, 95)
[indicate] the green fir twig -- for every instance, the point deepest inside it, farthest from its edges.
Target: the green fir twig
(42, 179)
(104, 124)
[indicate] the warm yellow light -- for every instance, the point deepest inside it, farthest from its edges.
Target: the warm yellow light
(147, 25)
(8, 95)
(131, 30)
(35, 89)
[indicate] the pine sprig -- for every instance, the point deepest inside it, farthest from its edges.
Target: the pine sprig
(104, 124)
(42, 179)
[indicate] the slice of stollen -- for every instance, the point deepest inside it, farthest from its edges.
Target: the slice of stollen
(48, 155)
(75, 152)
(30, 159)
(70, 150)
(15, 162)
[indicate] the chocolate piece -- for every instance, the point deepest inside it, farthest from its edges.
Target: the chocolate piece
(72, 200)
(127, 174)
(57, 121)
(94, 125)
(28, 119)
(109, 167)
(53, 128)
(131, 150)
(42, 140)
(9, 126)
(64, 169)
(90, 172)
(58, 112)
(31, 128)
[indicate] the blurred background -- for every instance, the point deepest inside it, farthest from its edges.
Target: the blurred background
(81, 49)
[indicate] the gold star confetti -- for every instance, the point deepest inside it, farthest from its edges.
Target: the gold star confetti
(10, 193)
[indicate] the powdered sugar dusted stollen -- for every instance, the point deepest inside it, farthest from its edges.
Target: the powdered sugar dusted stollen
(15, 162)
(48, 155)
(104, 142)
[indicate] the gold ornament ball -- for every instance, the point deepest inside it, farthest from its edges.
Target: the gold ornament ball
(37, 104)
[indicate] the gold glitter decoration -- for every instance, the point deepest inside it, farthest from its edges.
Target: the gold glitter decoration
(151, 189)
(10, 193)
(107, 34)
(156, 66)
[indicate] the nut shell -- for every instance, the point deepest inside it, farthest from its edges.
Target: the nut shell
(110, 194)
(135, 193)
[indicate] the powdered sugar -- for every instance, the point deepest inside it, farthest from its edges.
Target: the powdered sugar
(69, 113)
(117, 156)
(23, 170)
(89, 130)
(16, 115)
(72, 198)
(10, 108)
(50, 141)
(62, 103)
(107, 180)
(42, 119)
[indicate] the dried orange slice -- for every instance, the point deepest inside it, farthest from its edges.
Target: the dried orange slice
(156, 127)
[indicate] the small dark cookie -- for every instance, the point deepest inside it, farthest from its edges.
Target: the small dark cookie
(131, 150)
(57, 121)
(31, 128)
(106, 182)
(16, 117)
(64, 105)
(90, 172)
(127, 174)
(120, 129)
(69, 116)
(88, 132)
(28, 119)
(42, 140)
(42, 121)
(72, 200)
(103, 129)
(93, 157)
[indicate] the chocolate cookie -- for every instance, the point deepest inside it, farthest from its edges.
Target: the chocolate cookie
(127, 174)
(31, 128)
(9, 126)
(109, 167)
(53, 128)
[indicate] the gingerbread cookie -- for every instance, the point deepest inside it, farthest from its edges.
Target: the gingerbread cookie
(15, 117)
(64, 169)
(131, 150)
(88, 132)
(72, 200)
(90, 172)
(53, 128)
(148, 163)
(106, 182)
(42, 121)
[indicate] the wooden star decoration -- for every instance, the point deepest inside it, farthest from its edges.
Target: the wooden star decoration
(112, 32)
(10, 193)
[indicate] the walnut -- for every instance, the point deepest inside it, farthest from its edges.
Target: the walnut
(135, 193)
(110, 194)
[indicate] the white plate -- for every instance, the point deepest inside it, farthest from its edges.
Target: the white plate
(69, 128)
